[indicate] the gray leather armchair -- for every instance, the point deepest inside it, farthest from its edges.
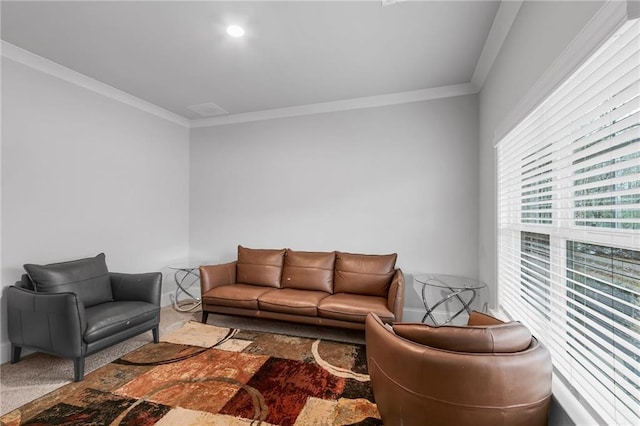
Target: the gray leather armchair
(74, 309)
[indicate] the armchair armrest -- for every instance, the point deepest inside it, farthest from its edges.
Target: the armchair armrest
(395, 301)
(137, 287)
(51, 322)
(212, 276)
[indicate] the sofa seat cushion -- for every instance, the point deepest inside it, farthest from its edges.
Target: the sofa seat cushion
(87, 278)
(365, 274)
(292, 301)
(107, 319)
(243, 296)
(260, 266)
(354, 307)
(306, 270)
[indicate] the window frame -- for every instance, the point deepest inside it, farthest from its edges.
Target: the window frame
(559, 234)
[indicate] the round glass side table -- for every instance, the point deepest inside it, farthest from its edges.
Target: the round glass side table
(186, 276)
(462, 289)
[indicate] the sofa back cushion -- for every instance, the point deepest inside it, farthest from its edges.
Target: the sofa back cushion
(259, 266)
(87, 278)
(503, 338)
(365, 274)
(306, 270)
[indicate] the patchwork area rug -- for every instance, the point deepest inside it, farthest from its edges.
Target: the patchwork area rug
(207, 375)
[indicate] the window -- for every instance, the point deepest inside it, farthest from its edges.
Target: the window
(569, 227)
(534, 276)
(603, 297)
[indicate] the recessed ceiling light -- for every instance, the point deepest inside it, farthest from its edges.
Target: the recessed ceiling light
(235, 31)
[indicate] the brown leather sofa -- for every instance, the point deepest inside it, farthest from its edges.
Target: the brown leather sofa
(322, 288)
(488, 373)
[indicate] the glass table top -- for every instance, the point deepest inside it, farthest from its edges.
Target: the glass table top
(185, 267)
(449, 281)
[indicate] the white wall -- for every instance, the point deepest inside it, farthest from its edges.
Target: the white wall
(540, 33)
(83, 174)
(399, 179)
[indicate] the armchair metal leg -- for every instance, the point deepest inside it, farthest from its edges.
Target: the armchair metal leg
(156, 334)
(205, 317)
(78, 369)
(15, 353)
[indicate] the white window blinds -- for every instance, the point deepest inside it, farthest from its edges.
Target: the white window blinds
(569, 227)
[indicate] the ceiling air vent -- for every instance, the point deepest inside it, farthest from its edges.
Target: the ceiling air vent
(208, 109)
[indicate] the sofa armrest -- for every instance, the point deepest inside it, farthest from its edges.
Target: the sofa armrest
(137, 287)
(212, 276)
(51, 322)
(395, 301)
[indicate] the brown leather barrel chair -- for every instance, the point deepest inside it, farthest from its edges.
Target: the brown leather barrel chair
(487, 373)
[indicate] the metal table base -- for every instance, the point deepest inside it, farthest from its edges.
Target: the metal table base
(181, 276)
(454, 293)
(461, 289)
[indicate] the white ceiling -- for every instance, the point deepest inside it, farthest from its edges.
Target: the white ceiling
(177, 54)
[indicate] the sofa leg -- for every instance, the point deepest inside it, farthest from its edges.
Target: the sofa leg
(156, 334)
(15, 353)
(205, 317)
(78, 369)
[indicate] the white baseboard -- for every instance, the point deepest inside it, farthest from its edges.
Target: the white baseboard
(5, 352)
(166, 298)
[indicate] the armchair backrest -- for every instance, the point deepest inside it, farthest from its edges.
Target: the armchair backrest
(87, 278)
(25, 282)
(499, 338)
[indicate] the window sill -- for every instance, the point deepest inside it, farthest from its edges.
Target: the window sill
(570, 404)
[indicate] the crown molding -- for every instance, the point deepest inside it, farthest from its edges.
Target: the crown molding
(611, 16)
(502, 23)
(343, 105)
(47, 66)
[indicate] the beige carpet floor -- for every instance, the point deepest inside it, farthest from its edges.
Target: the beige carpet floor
(38, 374)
